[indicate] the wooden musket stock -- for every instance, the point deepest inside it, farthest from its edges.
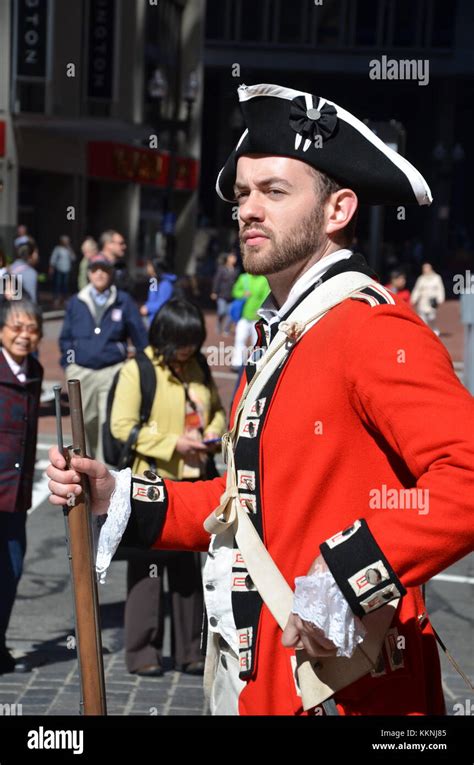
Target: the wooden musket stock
(84, 581)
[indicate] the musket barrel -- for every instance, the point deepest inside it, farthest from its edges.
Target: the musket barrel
(88, 634)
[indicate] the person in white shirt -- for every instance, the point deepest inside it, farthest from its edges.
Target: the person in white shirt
(428, 294)
(60, 267)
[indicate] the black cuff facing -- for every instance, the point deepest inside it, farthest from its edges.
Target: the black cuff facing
(360, 569)
(149, 502)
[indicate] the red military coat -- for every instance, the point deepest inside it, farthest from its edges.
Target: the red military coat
(367, 399)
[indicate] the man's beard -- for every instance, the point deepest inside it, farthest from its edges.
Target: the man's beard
(298, 245)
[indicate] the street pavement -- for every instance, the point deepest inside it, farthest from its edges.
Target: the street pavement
(42, 622)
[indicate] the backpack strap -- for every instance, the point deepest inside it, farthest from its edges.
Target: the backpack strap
(147, 375)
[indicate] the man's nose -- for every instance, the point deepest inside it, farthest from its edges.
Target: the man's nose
(252, 208)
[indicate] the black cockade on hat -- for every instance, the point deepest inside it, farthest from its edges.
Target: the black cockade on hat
(313, 121)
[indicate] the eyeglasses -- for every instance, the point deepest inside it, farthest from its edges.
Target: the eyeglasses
(32, 329)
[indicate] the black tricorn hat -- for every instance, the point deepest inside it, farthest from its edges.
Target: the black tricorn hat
(284, 122)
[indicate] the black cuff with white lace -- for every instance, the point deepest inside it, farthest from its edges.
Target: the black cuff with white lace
(136, 515)
(360, 569)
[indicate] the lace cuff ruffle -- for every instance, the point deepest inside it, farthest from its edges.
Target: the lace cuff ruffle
(319, 600)
(117, 518)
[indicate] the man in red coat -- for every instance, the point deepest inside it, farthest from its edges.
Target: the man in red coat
(354, 461)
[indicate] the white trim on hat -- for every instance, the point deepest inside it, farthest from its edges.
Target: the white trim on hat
(218, 189)
(420, 187)
(246, 92)
(241, 138)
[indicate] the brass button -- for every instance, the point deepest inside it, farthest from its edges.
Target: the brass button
(153, 493)
(373, 576)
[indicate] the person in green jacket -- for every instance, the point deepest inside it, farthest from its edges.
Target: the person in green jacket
(254, 290)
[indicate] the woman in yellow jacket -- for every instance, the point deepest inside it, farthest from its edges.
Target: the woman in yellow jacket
(186, 412)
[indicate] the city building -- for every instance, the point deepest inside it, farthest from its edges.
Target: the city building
(329, 47)
(100, 118)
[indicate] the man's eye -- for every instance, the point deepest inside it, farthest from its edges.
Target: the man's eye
(276, 191)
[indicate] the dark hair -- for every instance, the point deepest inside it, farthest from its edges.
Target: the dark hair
(24, 305)
(177, 324)
(396, 273)
(160, 266)
(324, 187)
(26, 250)
(106, 237)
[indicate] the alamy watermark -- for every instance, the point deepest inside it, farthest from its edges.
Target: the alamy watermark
(42, 738)
(400, 499)
(221, 355)
(11, 285)
(11, 710)
(463, 284)
(400, 69)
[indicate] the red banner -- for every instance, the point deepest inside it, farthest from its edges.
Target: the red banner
(187, 171)
(2, 138)
(119, 162)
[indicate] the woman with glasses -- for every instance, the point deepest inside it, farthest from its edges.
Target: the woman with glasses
(20, 388)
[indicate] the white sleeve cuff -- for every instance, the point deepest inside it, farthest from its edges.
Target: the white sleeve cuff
(117, 518)
(319, 600)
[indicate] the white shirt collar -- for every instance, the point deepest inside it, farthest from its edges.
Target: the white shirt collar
(17, 369)
(269, 309)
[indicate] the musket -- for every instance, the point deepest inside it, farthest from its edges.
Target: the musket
(79, 539)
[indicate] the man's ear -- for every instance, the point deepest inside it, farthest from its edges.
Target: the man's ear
(340, 209)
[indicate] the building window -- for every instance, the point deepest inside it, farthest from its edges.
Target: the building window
(251, 20)
(217, 17)
(444, 16)
(405, 24)
(329, 20)
(366, 23)
(162, 52)
(30, 97)
(290, 27)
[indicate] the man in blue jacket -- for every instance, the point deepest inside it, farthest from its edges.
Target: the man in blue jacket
(99, 320)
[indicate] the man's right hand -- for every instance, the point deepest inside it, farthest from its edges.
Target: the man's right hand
(63, 484)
